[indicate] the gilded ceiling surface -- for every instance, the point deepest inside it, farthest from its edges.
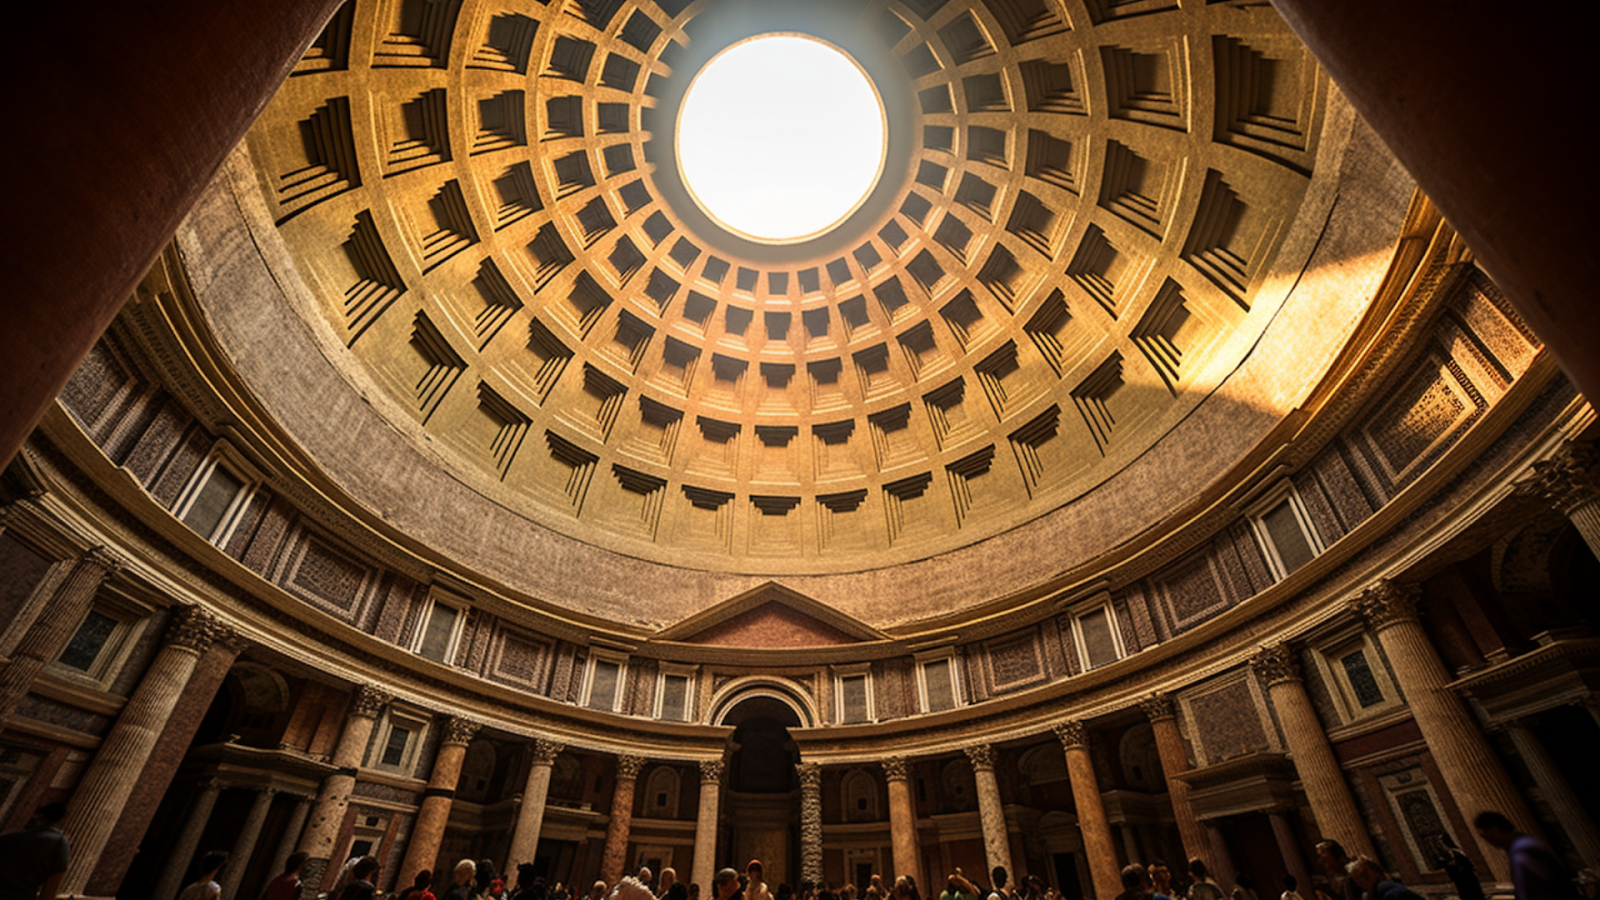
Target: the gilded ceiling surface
(1091, 213)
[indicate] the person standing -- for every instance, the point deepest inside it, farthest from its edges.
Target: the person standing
(1536, 872)
(36, 857)
(1336, 862)
(1370, 877)
(287, 885)
(1203, 887)
(206, 888)
(1291, 888)
(363, 885)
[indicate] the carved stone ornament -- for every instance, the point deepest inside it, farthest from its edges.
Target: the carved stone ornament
(711, 770)
(102, 558)
(197, 629)
(1387, 603)
(628, 767)
(981, 755)
(369, 701)
(1072, 734)
(546, 751)
(460, 730)
(896, 768)
(810, 775)
(1276, 664)
(1566, 480)
(1159, 706)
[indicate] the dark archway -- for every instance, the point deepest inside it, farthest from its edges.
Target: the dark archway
(763, 802)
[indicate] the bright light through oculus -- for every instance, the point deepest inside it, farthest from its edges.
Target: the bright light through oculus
(780, 138)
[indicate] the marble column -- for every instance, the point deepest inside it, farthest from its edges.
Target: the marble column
(810, 821)
(1163, 716)
(244, 845)
(530, 816)
(705, 825)
(103, 791)
(615, 858)
(188, 842)
(1097, 845)
(333, 796)
(991, 814)
(1332, 803)
(1567, 481)
(1574, 816)
(291, 836)
(1222, 871)
(902, 818)
(422, 850)
(1294, 859)
(1467, 764)
(49, 633)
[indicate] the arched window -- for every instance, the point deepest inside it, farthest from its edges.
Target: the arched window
(860, 796)
(661, 793)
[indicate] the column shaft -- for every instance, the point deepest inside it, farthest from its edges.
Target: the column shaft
(1175, 761)
(1332, 803)
(1288, 848)
(48, 635)
(1471, 771)
(991, 814)
(333, 796)
(422, 851)
(1222, 871)
(902, 818)
(291, 836)
(705, 825)
(183, 850)
(245, 844)
(1573, 815)
(1097, 843)
(530, 817)
(103, 791)
(810, 822)
(615, 857)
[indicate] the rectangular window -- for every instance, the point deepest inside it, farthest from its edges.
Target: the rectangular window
(90, 639)
(674, 698)
(213, 502)
(938, 685)
(438, 636)
(394, 749)
(1363, 685)
(1097, 634)
(1288, 538)
(854, 705)
(604, 678)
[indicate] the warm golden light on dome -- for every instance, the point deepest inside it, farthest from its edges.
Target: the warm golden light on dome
(781, 138)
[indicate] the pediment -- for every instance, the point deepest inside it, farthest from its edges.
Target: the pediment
(771, 616)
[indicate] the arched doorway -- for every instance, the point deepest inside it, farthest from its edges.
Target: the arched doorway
(763, 801)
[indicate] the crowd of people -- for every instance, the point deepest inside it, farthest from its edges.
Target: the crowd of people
(33, 860)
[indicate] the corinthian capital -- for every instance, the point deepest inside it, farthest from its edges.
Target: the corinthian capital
(1387, 603)
(981, 756)
(546, 751)
(459, 730)
(1072, 733)
(197, 629)
(1159, 706)
(1276, 664)
(1567, 480)
(711, 770)
(810, 775)
(896, 768)
(368, 701)
(628, 767)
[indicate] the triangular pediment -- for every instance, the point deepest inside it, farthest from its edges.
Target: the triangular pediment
(771, 616)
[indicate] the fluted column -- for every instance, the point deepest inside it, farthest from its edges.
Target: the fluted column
(530, 817)
(183, 849)
(1567, 481)
(1163, 716)
(1332, 803)
(991, 815)
(1466, 762)
(615, 857)
(1289, 848)
(97, 802)
(705, 825)
(333, 797)
(245, 844)
(1574, 817)
(810, 821)
(422, 851)
(1097, 845)
(291, 836)
(49, 633)
(902, 818)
